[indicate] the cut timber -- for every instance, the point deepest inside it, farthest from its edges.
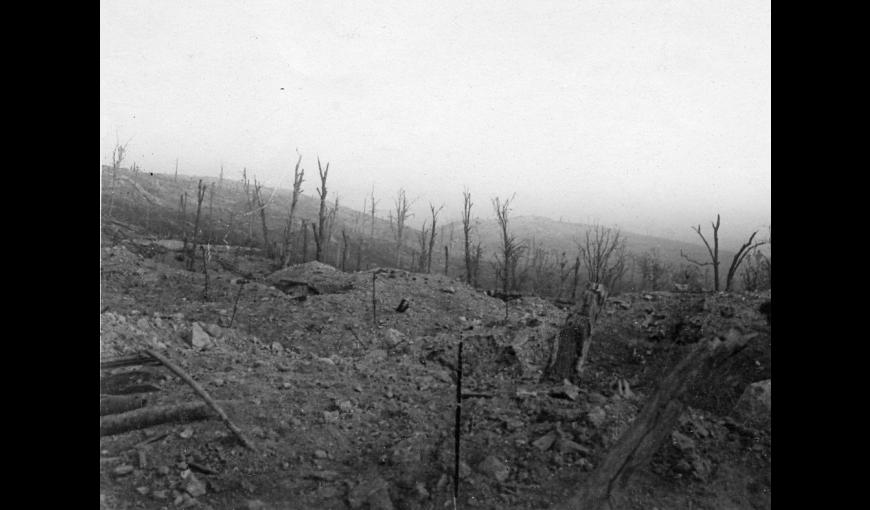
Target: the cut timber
(151, 416)
(113, 404)
(652, 426)
(127, 361)
(571, 347)
(205, 396)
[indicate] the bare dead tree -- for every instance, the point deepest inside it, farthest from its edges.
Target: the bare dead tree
(344, 249)
(402, 206)
(653, 270)
(604, 255)
(182, 219)
(249, 203)
(446, 259)
(320, 228)
(261, 206)
(298, 178)
(374, 204)
(506, 260)
(424, 236)
(571, 348)
(466, 231)
(330, 228)
(206, 255)
(576, 279)
(176, 170)
(432, 235)
(739, 257)
(714, 252)
(211, 213)
(118, 154)
(305, 241)
(359, 248)
(475, 264)
(200, 195)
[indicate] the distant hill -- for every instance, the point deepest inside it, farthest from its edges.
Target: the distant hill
(563, 236)
(152, 201)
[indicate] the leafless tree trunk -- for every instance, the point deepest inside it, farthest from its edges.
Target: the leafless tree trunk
(176, 169)
(576, 280)
(298, 177)
(652, 427)
(344, 249)
(741, 254)
(200, 195)
(359, 248)
(421, 265)
(604, 255)
(118, 154)
(258, 197)
(571, 347)
(320, 228)
(505, 263)
(446, 259)
(402, 207)
(249, 200)
(652, 269)
(205, 259)
(432, 236)
(714, 252)
(466, 231)
(210, 213)
(305, 241)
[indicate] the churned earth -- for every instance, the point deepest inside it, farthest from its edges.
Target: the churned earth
(351, 411)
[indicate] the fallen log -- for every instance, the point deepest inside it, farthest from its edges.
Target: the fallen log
(152, 416)
(114, 404)
(204, 395)
(652, 427)
(128, 361)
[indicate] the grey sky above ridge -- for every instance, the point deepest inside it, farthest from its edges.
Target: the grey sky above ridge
(654, 115)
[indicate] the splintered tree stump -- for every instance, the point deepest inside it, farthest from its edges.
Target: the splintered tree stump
(114, 404)
(571, 347)
(653, 425)
(152, 416)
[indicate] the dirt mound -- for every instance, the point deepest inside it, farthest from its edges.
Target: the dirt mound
(310, 278)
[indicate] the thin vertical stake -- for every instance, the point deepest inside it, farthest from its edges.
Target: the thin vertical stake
(456, 431)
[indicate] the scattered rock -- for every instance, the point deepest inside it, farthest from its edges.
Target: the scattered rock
(330, 416)
(187, 433)
(683, 442)
(320, 454)
(123, 469)
(394, 337)
(213, 329)
(753, 407)
(494, 467)
(143, 490)
(161, 494)
(277, 348)
(597, 416)
(375, 493)
(170, 244)
(194, 486)
(326, 475)
(544, 443)
(199, 339)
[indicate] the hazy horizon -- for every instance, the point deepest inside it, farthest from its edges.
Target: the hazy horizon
(651, 115)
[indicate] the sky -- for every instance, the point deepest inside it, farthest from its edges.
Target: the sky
(651, 115)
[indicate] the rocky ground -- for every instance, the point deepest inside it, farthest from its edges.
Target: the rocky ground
(347, 412)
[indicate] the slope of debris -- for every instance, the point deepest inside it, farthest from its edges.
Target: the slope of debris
(351, 404)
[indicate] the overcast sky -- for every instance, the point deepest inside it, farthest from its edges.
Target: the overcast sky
(654, 115)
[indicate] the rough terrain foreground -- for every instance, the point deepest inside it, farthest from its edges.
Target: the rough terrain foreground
(349, 414)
